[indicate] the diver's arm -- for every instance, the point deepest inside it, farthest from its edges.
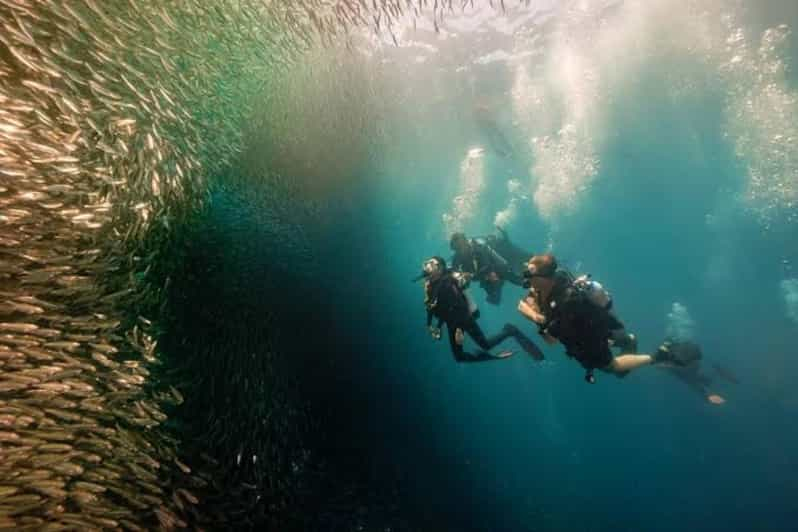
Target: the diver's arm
(462, 279)
(528, 308)
(434, 332)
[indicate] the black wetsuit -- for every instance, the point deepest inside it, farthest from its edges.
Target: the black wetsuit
(689, 372)
(447, 302)
(583, 327)
(481, 260)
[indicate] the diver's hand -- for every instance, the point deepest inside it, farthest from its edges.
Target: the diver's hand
(434, 332)
(492, 277)
(529, 312)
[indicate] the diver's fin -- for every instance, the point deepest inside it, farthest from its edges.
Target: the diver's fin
(526, 344)
(530, 347)
(679, 353)
(664, 355)
(725, 373)
(487, 355)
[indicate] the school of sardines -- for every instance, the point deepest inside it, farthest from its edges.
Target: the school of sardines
(113, 115)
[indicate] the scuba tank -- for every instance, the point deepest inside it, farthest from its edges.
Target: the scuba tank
(593, 291)
(463, 283)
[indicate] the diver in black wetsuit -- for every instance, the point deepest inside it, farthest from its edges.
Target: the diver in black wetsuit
(576, 312)
(690, 372)
(446, 300)
(480, 258)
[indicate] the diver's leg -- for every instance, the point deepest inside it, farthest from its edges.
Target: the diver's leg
(679, 354)
(457, 348)
(460, 355)
(475, 332)
(629, 362)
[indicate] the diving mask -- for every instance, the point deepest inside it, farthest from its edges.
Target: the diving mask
(430, 267)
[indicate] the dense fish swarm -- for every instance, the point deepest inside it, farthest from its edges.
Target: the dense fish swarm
(112, 116)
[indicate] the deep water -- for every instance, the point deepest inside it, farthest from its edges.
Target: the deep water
(419, 442)
(211, 212)
(518, 445)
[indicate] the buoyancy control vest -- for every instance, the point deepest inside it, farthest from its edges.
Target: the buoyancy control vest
(447, 298)
(576, 307)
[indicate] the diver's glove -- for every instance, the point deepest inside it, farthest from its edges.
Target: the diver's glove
(435, 332)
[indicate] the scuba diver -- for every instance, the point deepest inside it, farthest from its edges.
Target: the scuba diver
(490, 260)
(577, 312)
(690, 373)
(445, 299)
(490, 130)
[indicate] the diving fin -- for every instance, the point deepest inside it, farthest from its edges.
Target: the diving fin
(506, 353)
(526, 344)
(486, 355)
(530, 347)
(679, 353)
(725, 374)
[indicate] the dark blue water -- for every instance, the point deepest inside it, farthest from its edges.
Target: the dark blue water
(520, 445)
(667, 217)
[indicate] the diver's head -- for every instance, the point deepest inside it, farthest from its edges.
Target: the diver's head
(540, 266)
(433, 267)
(459, 243)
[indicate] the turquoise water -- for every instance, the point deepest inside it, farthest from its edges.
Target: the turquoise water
(645, 181)
(208, 242)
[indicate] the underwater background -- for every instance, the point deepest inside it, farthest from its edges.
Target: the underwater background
(212, 211)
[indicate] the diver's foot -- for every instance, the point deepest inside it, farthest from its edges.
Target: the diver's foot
(680, 353)
(715, 399)
(665, 354)
(530, 347)
(506, 353)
